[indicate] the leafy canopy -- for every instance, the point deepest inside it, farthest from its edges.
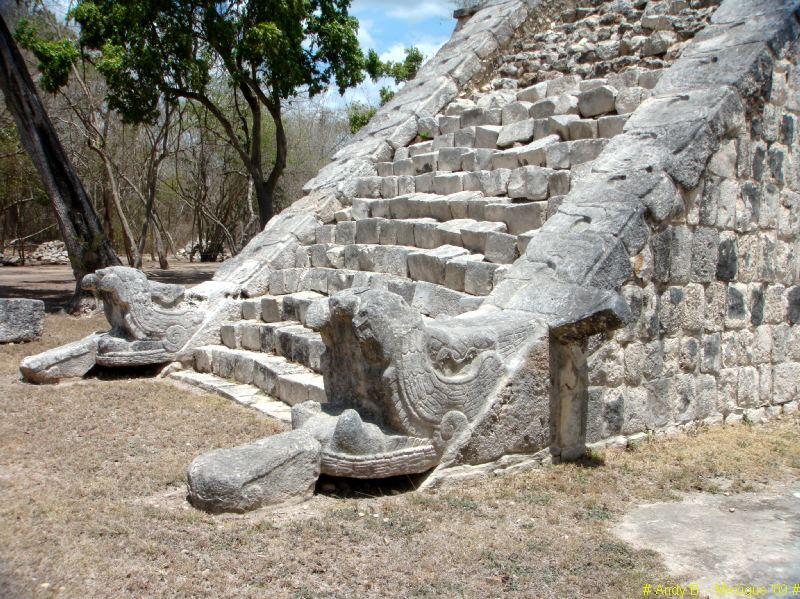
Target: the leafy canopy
(146, 48)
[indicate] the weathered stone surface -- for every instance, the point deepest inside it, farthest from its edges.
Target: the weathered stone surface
(268, 472)
(68, 361)
(21, 320)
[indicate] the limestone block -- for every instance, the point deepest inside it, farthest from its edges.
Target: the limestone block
(271, 308)
(427, 127)
(404, 167)
(445, 140)
(599, 100)
(389, 187)
(563, 85)
(611, 126)
(21, 320)
(464, 138)
(251, 309)
(406, 185)
(456, 270)
(429, 265)
(479, 277)
(345, 232)
(448, 124)
(446, 184)
(516, 111)
(424, 147)
(486, 136)
(535, 154)
(450, 159)
(501, 248)
(559, 183)
(786, 382)
(560, 124)
(533, 93)
(368, 187)
(628, 99)
(738, 310)
(582, 129)
(658, 43)
(474, 234)
(529, 182)
(423, 183)
(68, 361)
(508, 159)
(493, 183)
(385, 169)
(325, 234)
(426, 163)
(557, 156)
(270, 471)
(516, 132)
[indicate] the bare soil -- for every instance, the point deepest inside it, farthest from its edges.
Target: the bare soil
(55, 284)
(92, 504)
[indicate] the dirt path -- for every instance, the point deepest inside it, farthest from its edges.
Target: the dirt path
(55, 284)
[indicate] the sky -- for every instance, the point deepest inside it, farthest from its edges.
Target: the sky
(390, 26)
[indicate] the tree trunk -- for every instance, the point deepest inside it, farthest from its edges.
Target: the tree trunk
(81, 229)
(266, 196)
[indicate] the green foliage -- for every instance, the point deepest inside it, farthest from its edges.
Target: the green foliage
(358, 115)
(386, 95)
(150, 48)
(399, 71)
(55, 57)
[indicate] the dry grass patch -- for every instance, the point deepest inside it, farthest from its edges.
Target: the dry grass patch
(92, 504)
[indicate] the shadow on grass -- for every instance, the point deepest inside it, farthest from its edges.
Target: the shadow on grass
(356, 488)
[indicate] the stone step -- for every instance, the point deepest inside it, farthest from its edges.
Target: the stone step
(286, 338)
(287, 381)
(247, 395)
(424, 208)
(503, 178)
(292, 306)
(490, 237)
(429, 298)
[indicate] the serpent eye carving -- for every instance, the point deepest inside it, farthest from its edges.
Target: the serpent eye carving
(455, 354)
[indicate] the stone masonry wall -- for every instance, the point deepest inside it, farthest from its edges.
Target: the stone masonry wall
(716, 294)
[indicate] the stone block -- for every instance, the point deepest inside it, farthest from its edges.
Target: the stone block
(516, 111)
(597, 101)
(486, 136)
(450, 159)
(501, 248)
(611, 126)
(529, 182)
(273, 470)
(582, 129)
(516, 132)
(429, 265)
(21, 320)
(446, 184)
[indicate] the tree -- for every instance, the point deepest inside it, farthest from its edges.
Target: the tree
(268, 51)
(80, 227)
(358, 113)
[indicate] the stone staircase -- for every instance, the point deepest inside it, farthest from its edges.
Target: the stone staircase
(442, 221)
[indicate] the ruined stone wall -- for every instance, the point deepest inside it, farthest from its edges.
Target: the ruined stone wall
(715, 298)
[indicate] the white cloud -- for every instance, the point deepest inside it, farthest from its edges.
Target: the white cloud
(365, 38)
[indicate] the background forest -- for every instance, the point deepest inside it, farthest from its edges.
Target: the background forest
(173, 186)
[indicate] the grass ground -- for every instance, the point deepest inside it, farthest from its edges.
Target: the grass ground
(92, 505)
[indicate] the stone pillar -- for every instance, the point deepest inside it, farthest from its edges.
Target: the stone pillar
(569, 399)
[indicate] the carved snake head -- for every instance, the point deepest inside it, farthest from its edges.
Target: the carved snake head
(453, 350)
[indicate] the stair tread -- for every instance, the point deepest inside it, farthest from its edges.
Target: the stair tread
(247, 395)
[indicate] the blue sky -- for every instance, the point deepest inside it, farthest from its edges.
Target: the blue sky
(390, 26)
